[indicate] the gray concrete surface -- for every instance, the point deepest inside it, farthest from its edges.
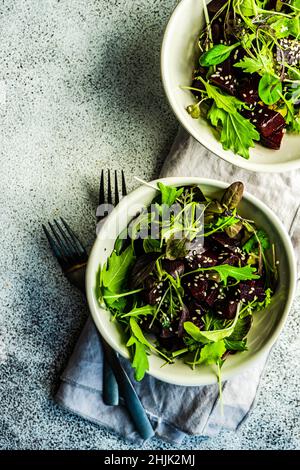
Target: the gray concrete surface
(80, 91)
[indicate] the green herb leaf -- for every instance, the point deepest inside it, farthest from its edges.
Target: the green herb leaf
(114, 273)
(241, 328)
(212, 353)
(235, 345)
(250, 65)
(239, 274)
(140, 359)
(228, 103)
(237, 134)
(217, 54)
(269, 89)
(140, 311)
(207, 336)
(176, 248)
(169, 194)
(246, 7)
(233, 195)
(258, 237)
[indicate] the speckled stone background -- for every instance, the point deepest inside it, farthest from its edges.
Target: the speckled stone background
(80, 91)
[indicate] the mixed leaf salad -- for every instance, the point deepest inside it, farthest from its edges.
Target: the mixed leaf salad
(190, 296)
(247, 81)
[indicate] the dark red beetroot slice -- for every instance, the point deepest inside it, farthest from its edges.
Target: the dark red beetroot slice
(267, 121)
(231, 259)
(153, 291)
(248, 90)
(204, 260)
(248, 290)
(273, 141)
(225, 241)
(174, 268)
(226, 308)
(224, 77)
(204, 291)
(214, 6)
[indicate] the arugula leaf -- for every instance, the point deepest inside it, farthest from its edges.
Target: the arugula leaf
(237, 132)
(140, 360)
(241, 328)
(115, 271)
(258, 237)
(263, 63)
(226, 102)
(209, 336)
(269, 89)
(169, 194)
(235, 345)
(140, 311)
(239, 274)
(281, 26)
(246, 7)
(212, 353)
(217, 54)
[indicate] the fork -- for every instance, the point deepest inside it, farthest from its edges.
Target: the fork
(109, 200)
(73, 264)
(72, 257)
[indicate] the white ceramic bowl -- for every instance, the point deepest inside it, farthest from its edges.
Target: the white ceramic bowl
(267, 324)
(178, 59)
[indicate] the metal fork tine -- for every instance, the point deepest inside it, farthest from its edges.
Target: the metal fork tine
(101, 190)
(73, 250)
(116, 189)
(124, 190)
(61, 242)
(109, 196)
(75, 239)
(54, 246)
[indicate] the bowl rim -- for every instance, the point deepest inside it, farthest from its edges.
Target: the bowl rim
(198, 379)
(225, 155)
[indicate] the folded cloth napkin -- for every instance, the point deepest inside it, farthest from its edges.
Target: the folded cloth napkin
(177, 411)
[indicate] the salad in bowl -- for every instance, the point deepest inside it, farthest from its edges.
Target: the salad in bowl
(230, 70)
(186, 280)
(247, 80)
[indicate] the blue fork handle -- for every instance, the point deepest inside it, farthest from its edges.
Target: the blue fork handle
(110, 385)
(132, 401)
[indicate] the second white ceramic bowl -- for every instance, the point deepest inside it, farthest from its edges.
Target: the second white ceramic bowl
(267, 324)
(179, 56)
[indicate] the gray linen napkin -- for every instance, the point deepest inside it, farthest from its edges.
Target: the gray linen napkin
(176, 411)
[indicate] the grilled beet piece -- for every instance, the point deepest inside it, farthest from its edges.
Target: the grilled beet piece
(267, 121)
(167, 333)
(204, 260)
(226, 308)
(273, 141)
(198, 289)
(142, 268)
(203, 290)
(214, 6)
(248, 290)
(231, 258)
(174, 268)
(224, 77)
(288, 51)
(196, 83)
(153, 291)
(195, 309)
(155, 327)
(248, 90)
(225, 241)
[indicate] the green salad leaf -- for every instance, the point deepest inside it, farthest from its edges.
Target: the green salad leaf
(235, 345)
(217, 54)
(140, 359)
(237, 134)
(211, 353)
(169, 194)
(260, 236)
(114, 271)
(228, 103)
(269, 89)
(209, 336)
